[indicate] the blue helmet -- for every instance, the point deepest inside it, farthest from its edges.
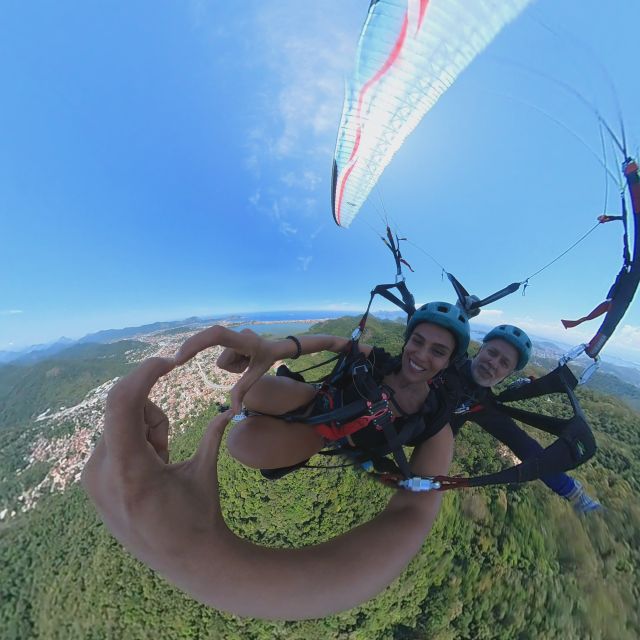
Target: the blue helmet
(516, 337)
(445, 315)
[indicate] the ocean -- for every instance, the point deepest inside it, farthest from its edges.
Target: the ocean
(282, 322)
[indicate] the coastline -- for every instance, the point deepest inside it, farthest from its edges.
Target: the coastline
(304, 321)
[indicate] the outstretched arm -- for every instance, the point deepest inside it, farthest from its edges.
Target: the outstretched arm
(505, 429)
(247, 352)
(236, 575)
(169, 517)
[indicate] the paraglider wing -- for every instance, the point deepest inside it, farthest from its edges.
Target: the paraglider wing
(624, 288)
(409, 54)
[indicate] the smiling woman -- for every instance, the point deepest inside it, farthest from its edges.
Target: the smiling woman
(376, 403)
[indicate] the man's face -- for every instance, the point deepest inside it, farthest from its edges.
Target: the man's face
(494, 362)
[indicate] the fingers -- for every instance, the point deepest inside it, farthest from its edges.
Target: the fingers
(91, 470)
(238, 392)
(157, 429)
(153, 414)
(202, 340)
(232, 361)
(206, 456)
(243, 385)
(245, 342)
(125, 429)
(132, 390)
(237, 396)
(217, 335)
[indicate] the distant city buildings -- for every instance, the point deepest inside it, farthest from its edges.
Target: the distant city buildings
(182, 394)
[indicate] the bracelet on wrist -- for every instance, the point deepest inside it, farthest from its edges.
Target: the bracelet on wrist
(298, 347)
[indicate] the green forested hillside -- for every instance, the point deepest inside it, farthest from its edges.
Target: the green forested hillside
(385, 333)
(606, 383)
(64, 380)
(500, 563)
(505, 562)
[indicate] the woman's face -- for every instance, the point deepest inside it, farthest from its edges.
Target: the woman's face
(428, 351)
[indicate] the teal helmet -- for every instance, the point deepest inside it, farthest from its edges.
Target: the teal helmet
(445, 315)
(516, 337)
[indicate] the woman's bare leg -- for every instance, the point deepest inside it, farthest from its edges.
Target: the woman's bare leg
(263, 442)
(275, 395)
(268, 443)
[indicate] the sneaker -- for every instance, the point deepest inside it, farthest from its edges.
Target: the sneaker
(581, 501)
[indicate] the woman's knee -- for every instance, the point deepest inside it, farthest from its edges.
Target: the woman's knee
(239, 445)
(265, 443)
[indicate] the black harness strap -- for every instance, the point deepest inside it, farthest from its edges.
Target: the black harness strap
(407, 304)
(353, 366)
(508, 290)
(394, 247)
(575, 443)
(394, 443)
(396, 440)
(556, 381)
(375, 397)
(553, 460)
(338, 416)
(470, 303)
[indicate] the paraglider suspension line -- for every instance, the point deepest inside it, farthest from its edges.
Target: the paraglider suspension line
(564, 253)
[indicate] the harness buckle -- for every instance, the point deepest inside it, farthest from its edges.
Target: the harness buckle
(461, 409)
(360, 369)
(519, 382)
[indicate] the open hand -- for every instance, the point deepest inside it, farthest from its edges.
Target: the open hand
(169, 515)
(158, 511)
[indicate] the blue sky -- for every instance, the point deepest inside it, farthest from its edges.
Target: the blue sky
(160, 160)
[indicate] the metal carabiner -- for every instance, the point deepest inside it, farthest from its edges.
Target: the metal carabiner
(417, 484)
(589, 371)
(572, 354)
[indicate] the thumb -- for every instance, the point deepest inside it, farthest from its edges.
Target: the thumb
(206, 457)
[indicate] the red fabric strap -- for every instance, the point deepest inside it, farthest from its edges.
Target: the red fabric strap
(602, 308)
(331, 432)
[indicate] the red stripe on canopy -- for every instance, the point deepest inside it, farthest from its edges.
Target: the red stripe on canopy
(388, 63)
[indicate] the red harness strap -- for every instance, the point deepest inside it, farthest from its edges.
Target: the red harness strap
(336, 432)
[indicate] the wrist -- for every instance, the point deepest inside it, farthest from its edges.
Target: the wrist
(298, 347)
(287, 349)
